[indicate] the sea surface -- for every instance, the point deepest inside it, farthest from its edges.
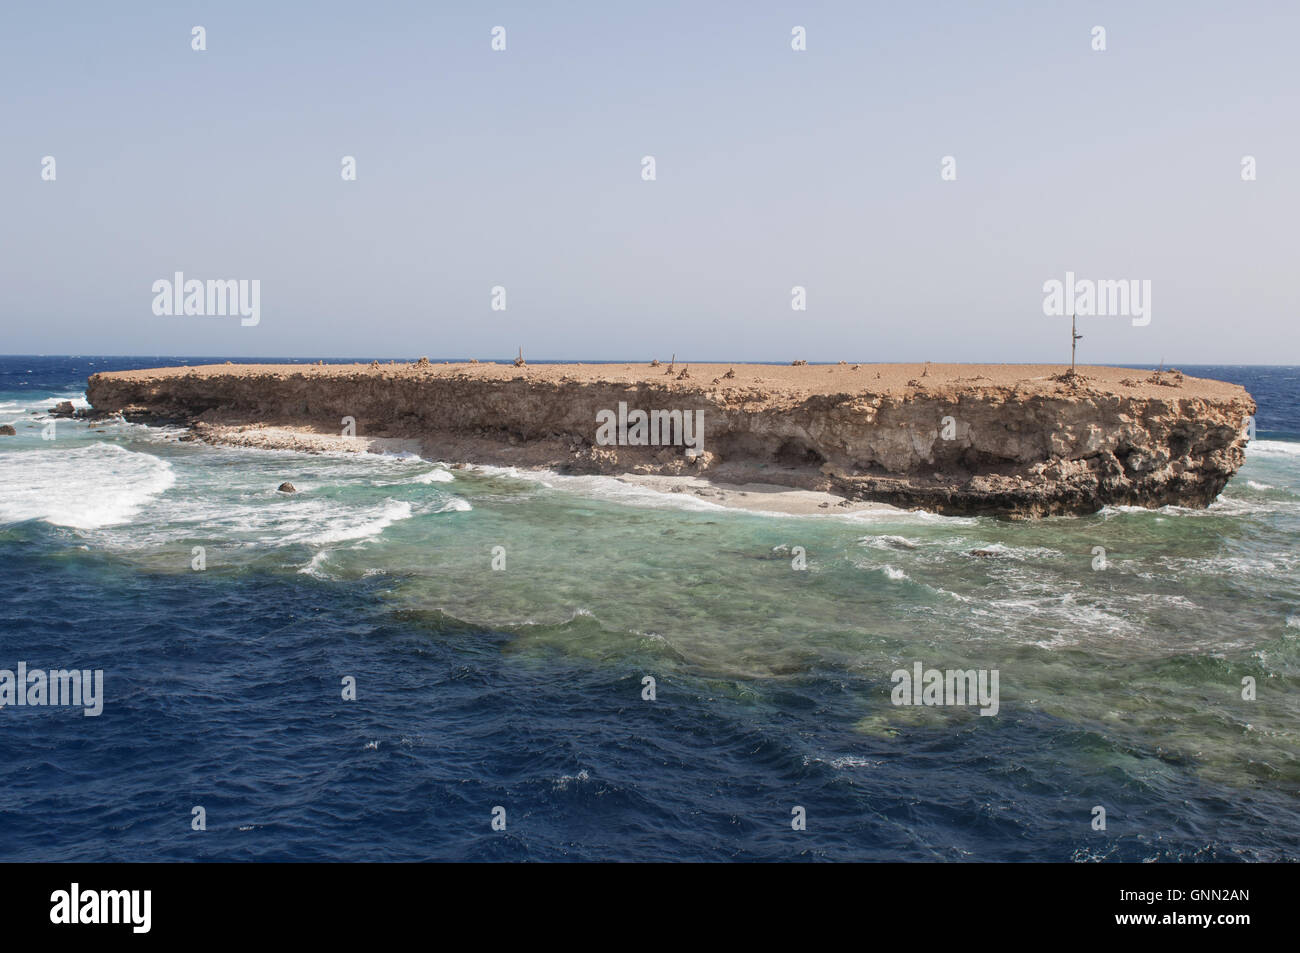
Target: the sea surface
(521, 688)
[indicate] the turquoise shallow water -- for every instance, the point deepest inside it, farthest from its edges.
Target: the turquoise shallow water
(1120, 686)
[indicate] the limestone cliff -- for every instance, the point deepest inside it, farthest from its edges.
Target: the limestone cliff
(1015, 440)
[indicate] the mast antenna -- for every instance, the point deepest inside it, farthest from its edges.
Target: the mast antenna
(1075, 338)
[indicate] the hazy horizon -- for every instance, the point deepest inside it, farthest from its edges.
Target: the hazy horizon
(775, 168)
(437, 359)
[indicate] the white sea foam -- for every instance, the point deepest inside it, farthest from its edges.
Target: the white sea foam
(1273, 448)
(889, 542)
(308, 522)
(564, 780)
(1223, 506)
(434, 476)
(1235, 506)
(313, 568)
(514, 473)
(244, 509)
(847, 761)
(616, 490)
(82, 487)
(360, 525)
(1264, 565)
(1002, 550)
(574, 615)
(1043, 608)
(425, 479)
(42, 405)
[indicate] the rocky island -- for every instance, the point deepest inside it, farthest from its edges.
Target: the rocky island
(1015, 440)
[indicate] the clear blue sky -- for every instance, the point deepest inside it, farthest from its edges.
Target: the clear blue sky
(775, 168)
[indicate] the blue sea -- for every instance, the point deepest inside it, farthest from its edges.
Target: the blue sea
(228, 620)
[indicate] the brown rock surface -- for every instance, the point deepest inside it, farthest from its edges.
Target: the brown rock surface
(1024, 440)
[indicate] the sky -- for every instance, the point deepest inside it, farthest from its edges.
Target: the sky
(775, 168)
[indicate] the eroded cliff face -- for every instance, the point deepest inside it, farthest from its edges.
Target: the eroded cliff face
(948, 443)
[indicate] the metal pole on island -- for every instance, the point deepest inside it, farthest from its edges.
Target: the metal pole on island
(1075, 338)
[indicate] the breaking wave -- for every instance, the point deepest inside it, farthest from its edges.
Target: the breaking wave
(81, 487)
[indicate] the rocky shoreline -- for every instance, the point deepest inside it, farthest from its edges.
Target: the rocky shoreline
(1010, 440)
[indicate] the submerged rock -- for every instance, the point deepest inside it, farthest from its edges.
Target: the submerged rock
(287, 487)
(7, 431)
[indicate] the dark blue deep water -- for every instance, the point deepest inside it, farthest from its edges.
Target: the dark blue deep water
(222, 687)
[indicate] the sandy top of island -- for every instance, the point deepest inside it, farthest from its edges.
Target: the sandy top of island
(798, 381)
